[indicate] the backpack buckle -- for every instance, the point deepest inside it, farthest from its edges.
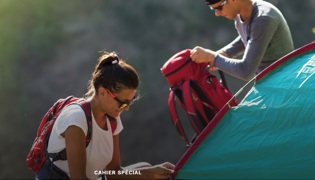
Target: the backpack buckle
(209, 80)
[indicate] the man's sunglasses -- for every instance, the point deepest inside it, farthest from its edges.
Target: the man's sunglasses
(219, 8)
(123, 105)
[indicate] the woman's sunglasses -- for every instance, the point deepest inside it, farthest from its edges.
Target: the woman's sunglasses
(123, 105)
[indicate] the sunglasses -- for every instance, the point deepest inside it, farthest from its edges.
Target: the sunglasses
(220, 7)
(123, 105)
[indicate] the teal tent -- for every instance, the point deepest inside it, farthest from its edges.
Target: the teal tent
(269, 135)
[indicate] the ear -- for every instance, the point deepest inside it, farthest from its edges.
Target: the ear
(101, 91)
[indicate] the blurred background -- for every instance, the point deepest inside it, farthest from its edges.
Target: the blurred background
(49, 49)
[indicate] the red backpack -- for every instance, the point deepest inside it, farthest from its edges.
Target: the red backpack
(38, 154)
(199, 93)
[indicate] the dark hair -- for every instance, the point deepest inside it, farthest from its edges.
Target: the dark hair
(112, 73)
(210, 2)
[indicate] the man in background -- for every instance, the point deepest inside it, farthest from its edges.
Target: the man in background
(263, 37)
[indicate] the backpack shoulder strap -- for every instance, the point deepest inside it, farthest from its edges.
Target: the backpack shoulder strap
(222, 77)
(87, 110)
(85, 105)
(113, 124)
(195, 102)
(175, 118)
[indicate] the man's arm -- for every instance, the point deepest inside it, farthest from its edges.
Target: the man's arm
(234, 49)
(246, 67)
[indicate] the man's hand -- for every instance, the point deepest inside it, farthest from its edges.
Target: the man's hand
(202, 55)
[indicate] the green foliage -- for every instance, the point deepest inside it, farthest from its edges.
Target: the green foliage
(10, 41)
(29, 33)
(42, 30)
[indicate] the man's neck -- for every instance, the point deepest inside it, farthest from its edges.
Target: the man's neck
(246, 9)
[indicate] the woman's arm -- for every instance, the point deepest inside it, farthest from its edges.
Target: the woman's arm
(76, 152)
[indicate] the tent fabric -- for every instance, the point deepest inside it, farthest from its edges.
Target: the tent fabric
(269, 135)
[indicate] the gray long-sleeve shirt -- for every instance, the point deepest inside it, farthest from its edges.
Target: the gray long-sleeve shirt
(263, 38)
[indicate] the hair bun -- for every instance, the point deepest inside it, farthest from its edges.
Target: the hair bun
(115, 61)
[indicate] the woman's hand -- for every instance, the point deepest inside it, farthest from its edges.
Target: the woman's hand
(145, 171)
(160, 171)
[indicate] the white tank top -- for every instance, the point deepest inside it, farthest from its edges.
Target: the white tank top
(100, 149)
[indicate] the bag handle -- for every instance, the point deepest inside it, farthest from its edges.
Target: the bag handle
(222, 77)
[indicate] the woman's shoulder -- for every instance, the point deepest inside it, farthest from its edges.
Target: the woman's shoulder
(73, 110)
(73, 114)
